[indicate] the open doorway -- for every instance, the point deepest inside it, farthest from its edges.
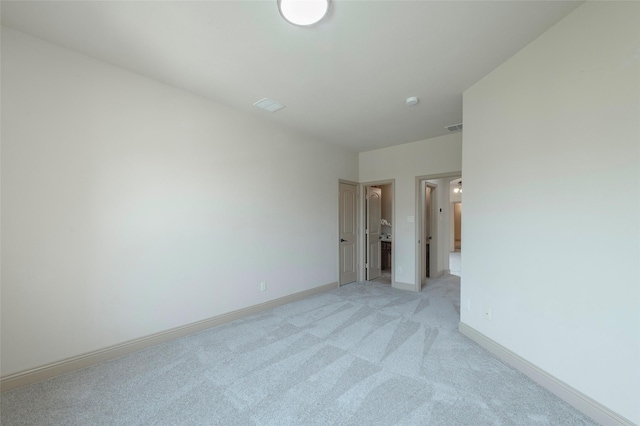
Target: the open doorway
(428, 230)
(378, 219)
(455, 230)
(434, 218)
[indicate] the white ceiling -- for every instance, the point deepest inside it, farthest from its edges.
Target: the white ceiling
(343, 81)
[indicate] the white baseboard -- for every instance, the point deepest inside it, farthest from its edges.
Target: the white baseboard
(404, 286)
(85, 360)
(572, 396)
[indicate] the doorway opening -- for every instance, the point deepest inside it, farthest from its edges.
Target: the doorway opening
(428, 224)
(455, 231)
(378, 220)
(434, 219)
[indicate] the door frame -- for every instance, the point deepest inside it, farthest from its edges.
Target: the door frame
(358, 191)
(362, 273)
(420, 214)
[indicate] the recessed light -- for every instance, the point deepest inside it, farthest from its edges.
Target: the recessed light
(268, 104)
(303, 12)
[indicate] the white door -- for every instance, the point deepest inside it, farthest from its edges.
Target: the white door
(347, 225)
(374, 215)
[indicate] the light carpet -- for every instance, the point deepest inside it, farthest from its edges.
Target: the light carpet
(363, 354)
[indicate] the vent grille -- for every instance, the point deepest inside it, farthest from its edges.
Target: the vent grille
(454, 127)
(269, 105)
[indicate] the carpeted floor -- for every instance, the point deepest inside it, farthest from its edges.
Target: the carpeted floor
(363, 354)
(385, 278)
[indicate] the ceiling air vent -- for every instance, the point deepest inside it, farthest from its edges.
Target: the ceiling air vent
(269, 105)
(454, 127)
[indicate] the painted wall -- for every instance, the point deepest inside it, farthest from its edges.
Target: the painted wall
(554, 250)
(130, 207)
(404, 163)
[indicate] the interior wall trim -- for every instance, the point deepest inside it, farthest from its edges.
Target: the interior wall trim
(572, 396)
(404, 286)
(47, 371)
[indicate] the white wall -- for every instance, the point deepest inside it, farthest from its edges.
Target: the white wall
(554, 251)
(130, 207)
(404, 163)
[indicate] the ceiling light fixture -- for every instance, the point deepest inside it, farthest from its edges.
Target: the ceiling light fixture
(412, 100)
(303, 12)
(458, 189)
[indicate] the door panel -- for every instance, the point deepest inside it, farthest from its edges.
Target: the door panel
(347, 224)
(374, 215)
